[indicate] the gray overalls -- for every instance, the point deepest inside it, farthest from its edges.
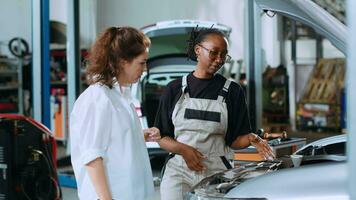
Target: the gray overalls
(202, 124)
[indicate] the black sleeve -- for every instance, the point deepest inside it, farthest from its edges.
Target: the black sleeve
(238, 117)
(163, 120)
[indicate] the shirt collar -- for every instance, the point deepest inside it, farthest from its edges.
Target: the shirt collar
(123, 90)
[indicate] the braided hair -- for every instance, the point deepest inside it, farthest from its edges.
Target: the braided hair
(197, 36)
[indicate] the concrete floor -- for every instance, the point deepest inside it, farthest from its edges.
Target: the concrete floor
(71, 194)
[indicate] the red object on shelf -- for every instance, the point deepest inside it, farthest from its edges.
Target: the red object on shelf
(7, 106)
(63, 53)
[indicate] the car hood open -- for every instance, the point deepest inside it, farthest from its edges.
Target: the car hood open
(311, 14)
(170, 37)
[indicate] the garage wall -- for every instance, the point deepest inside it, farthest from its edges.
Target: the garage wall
(15, 21)
(87, 18)
(270, 41)
(58, 10)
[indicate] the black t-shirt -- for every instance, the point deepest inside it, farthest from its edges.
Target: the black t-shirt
(238, 119)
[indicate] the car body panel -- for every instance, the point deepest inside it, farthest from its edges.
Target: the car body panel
(319, 144)
(319, 177)
(174, 61)
(307, 12)
(320, 181)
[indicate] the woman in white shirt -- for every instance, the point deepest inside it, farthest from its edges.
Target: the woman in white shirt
(108, 151)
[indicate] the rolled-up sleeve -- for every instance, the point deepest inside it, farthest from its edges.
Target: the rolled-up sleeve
(91, 155)
(95, 129)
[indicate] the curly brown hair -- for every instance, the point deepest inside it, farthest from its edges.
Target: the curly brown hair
(112, 46)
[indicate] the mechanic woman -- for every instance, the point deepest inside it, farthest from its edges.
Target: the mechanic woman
(201, 116)
(108, 150)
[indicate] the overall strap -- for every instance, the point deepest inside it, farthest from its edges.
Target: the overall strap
(184, 85)
(223, 93)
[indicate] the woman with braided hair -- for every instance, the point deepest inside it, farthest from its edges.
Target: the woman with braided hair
(201, 117)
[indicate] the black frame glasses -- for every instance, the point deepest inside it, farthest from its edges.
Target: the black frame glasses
(214, 54)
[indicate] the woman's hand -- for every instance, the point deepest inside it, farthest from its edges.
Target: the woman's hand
(152, 134)
(193, 158)
(262, 147)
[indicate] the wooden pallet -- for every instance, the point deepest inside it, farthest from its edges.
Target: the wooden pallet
(323, 88)
(325, 82)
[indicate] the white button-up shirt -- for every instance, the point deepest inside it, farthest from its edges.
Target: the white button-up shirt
(104, 124)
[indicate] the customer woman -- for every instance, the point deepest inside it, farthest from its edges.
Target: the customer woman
(108, 151)
(201, 117)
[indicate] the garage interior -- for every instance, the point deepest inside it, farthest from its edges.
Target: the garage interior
(296, 75)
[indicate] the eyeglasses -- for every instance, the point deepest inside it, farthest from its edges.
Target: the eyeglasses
(214, 54)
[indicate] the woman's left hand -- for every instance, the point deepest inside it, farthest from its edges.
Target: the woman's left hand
(262, 147)
(152, 134)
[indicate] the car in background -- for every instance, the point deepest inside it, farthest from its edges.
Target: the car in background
(324, 150)
(167, 61)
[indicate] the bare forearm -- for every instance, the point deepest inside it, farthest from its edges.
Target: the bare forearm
(97, 175)
(171, 145)
(241, 142)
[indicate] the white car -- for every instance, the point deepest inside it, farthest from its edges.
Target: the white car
(322, 176)
(335, 145)
(167, 61)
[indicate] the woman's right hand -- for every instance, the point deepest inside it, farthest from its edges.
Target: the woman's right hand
(262, 147)
(193, 158)
(152, 134)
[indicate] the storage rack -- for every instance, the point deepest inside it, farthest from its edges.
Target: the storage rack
(9, 67)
